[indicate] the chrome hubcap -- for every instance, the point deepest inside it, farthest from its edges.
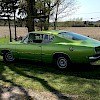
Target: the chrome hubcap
(62, 62)
(9, 57)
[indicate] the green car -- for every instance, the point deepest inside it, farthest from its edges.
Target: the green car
(55, 46)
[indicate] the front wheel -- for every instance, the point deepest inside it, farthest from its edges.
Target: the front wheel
(62, 62)
(8, 57)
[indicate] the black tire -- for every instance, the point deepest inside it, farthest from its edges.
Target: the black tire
(62, 62)
(8, 57)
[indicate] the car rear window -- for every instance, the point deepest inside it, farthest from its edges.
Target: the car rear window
(73, 36)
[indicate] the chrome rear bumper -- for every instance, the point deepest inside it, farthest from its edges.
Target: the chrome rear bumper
(94, 58)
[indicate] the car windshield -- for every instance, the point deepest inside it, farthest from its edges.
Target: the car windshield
(73, 36)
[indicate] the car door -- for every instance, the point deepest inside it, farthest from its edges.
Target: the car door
(48, 48)
(30, 48)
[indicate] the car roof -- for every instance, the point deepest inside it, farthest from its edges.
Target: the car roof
(54, 32)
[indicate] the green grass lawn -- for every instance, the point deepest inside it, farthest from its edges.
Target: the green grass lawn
(79, 81)
(4, 40)
(83, 83)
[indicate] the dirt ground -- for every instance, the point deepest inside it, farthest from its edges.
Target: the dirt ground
(20, 93)
(4, 31)
(93, 32)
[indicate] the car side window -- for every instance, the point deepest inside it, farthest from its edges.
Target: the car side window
(35, 38)
(48, 38)
(38, 38)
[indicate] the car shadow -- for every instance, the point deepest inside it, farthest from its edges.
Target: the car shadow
(82, 71)
(85, 71)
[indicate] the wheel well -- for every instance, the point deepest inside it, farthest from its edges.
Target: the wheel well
(60, 54)
(4, 51)
(57, 55)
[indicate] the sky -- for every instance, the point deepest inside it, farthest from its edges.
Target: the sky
(89, 10)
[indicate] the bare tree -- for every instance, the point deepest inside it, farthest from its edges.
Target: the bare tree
(62, 9)
(44, 8)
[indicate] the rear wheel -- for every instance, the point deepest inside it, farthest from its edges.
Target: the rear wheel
(8, 57)
(62, 62)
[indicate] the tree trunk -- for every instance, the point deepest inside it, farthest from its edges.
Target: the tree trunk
(55, 23)
(45, 25)
(31, 14)
(15, 26)
(9, 29)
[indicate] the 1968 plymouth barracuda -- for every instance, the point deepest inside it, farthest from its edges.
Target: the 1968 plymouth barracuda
(57, 46)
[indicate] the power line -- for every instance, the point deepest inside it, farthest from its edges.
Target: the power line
(92, 18)
(87, 13)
